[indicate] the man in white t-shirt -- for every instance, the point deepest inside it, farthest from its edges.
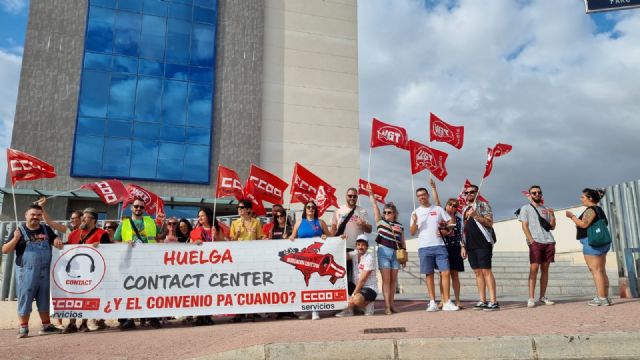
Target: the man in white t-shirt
(366, 286)
(349, 221)
(430, 222)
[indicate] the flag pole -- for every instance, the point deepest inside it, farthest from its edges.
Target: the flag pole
(477, 193)
(119, 214)
(414, 191)
(15, 208)
(369, 169)
(64, 192)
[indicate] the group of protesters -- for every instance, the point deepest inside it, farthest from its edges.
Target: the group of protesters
(446, 237)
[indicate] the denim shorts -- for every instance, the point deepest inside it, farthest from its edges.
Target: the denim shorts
(32, 278)
(594, 251)
(387, 258)
(432, 255)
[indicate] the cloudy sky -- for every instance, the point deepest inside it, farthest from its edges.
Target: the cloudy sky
(559, 85)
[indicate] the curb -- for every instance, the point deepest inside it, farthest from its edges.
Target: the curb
(622, 345)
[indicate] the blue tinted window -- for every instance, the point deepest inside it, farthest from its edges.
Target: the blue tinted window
(204, 15)
(177, 72)
(127, 33)
(172, 133)
(174, 102)
(125, 64)
(122, 96)
(155, 7)
(119, 128)
(200, 105)
(116, 157)
(145, 105)
(148, 99)
(144, 159)
(151, 68)
(87, 155)
(94, 93)
(97, 61)
(130, 5)
(180, 11)
(90, 126)
(104, 3)
(144, 130)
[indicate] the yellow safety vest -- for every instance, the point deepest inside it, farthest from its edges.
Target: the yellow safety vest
(149, 230)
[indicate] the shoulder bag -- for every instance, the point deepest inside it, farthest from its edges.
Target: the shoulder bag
(598, 233)
(543, 222)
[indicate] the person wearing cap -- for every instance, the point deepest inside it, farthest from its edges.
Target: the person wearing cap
(365, 290)
(87, 233)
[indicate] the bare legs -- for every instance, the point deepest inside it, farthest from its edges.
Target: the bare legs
(484, 279)
(597, 266)
(455, 281)
(544, 279)
(389, 284)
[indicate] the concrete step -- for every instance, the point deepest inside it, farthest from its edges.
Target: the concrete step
(468, 274)
(472, 292)
(518, 269)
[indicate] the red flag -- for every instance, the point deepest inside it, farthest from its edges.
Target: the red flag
(497, 151)
(384, 134)
(305, 186)
(25, 167)
(153, 203)
(379, 192)
(265, 186)
(256, 204)
(443, 132)
(225, 229)
(228, 183)
(424, 157)
(111, 192)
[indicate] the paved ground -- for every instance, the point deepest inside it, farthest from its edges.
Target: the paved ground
(177, 341)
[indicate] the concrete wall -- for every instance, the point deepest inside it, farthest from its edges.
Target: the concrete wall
(310, 100)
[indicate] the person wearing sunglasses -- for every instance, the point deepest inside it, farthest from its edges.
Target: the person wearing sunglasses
(172, 230)
(280, 227)
(390, 238)
(349, 221)
(246, 227)
(542, 245)
(309, 226)
(110, 227)
(266, 228)
(454, 243)
(479, 236)
(184, 230)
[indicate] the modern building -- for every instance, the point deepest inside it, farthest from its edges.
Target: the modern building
(160, 92)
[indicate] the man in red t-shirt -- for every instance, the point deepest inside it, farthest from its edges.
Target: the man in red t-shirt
(87, 233)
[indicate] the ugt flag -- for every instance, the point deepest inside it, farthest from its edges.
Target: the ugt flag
(153, 203)
(424, 157)
(25, 167)
(384, 134)
(443, 132)
(379, 192)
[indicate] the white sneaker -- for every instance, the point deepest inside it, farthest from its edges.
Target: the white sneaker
(449, 306)
(345, 313)
(370, 309)
(433, 307)
(546, 301)
(531, 303)
(315, 315)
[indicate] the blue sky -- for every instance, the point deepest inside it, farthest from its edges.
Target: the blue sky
(541, 75)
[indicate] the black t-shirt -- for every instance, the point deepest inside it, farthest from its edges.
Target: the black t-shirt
(475, 237)
(35, 236)
(277, 233)
(582, 233)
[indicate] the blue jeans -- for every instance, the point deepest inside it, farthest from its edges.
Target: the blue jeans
(32, 278)
(387, 258)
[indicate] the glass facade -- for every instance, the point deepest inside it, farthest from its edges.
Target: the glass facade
(146, 95)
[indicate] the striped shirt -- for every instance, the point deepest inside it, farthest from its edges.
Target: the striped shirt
(389, 233)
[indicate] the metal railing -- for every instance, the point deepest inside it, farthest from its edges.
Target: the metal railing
(621, 203)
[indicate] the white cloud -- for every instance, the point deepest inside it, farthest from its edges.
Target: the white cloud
(535, 74)
(13, 6)
(10, 65)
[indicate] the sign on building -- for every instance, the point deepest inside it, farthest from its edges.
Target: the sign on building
(609, 5)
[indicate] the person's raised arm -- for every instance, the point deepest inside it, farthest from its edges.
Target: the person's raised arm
(54, 224)
(374, 204)
(436, 197)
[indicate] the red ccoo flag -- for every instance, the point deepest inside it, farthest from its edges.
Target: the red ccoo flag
(497, 151)
(111, 192)
(424, 157)
(228, 183)
(265, 186)
(25, 167)
(306, 186)
(443, 132)
(379, 192)
(384, 134)
(153, 203)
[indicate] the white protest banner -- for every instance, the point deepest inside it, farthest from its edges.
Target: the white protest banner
(159, 280)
